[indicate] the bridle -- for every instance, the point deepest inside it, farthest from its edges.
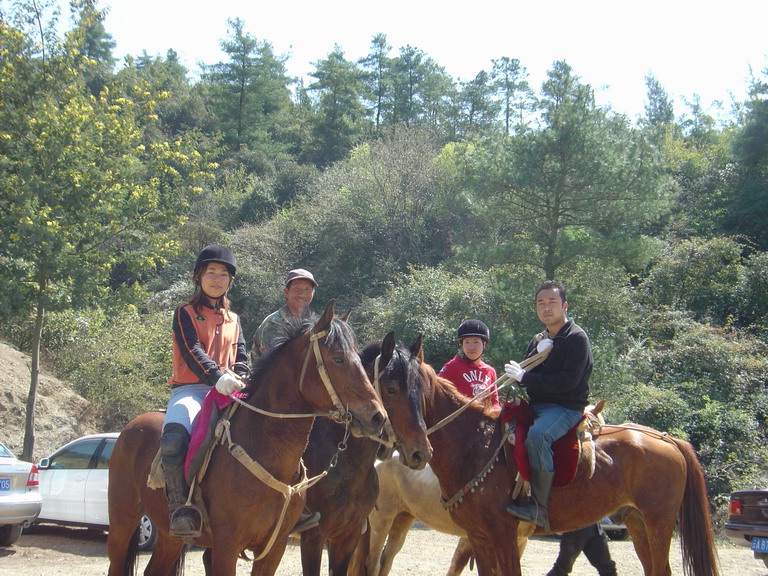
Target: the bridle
(340, 414)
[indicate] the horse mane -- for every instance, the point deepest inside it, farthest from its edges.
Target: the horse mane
(339, 335)
(400, 366)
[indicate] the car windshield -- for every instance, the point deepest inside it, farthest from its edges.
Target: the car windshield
(5, 453)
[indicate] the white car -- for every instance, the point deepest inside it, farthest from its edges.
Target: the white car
(20, 498)
(73, 484)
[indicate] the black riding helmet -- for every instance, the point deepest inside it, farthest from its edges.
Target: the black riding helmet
(475, 328)
(217, 253)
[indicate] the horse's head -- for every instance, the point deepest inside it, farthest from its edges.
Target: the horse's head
(394, 369)
(332, 375)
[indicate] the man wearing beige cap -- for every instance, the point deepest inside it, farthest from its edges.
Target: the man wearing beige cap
(299, 290)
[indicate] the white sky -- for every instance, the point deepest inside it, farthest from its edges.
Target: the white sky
(692, 47)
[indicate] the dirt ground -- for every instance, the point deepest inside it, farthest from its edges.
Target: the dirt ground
(51, 550)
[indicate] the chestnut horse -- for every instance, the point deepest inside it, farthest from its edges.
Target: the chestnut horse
(245, 511)
(348, 493)
(657, 476)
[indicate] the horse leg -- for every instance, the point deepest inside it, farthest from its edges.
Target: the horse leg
(268, 565)
(312, 551)
(224, 561)
(461, 557)
(341, 549)
(379, 525)
(123, 546)
(487, 559)
(659, 536)
(167, 558)
(395, 541)
(651, 539)
(358, 565)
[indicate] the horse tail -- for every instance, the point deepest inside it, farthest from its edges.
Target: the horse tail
(129, 564)
(178, 568)
(697, 538)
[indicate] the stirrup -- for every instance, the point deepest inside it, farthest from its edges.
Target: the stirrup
(194, 516)
(307, 523)
(532, 513)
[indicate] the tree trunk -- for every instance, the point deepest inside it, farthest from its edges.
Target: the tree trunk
(29, 426)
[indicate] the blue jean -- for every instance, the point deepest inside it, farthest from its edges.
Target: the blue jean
(185, 403)
(551, 422)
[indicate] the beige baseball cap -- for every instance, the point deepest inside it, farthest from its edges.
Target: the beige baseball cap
(299, 274)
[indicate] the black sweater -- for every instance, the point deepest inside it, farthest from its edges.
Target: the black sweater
(563, 378)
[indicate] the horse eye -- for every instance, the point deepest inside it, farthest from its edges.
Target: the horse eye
(338, 360)
(391, 390)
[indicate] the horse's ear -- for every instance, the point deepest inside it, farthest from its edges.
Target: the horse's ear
(598, 407)
(387, 347)
(326, 319)
(417, 349)
(345, 317)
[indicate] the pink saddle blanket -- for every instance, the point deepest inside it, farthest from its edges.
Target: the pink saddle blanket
(202, 429)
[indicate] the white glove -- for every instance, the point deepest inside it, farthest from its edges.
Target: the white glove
(544, 344)
(228, 384)
(514, 370)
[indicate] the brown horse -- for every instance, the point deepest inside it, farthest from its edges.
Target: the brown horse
(658, 477)
(348, 493)
(243, 511)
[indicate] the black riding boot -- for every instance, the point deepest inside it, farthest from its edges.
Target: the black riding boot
(535, 511)
(185, 521)
(308, 520)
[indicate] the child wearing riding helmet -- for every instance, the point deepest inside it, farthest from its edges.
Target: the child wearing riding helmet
(208, 352)
(468, 371)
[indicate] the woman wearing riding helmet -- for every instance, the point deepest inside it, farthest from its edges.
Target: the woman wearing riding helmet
(468, 371)
(208, 351)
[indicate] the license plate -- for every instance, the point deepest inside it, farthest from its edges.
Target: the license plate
(5, 483)
(760, 544)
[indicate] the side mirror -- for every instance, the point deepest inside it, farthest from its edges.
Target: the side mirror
(44, 464)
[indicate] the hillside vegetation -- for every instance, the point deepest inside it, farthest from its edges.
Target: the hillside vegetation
(418, 201)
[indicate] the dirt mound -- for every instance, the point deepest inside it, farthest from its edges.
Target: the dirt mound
(60, 414)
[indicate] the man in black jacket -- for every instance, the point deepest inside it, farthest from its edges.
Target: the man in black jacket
(558, 390)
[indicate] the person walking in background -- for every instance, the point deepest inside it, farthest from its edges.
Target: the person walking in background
(209, 351)
(591, 540)
(299, 291)
(558, 390)
(468, 371)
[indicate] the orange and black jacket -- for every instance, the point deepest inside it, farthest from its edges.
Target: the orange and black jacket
(205, 343)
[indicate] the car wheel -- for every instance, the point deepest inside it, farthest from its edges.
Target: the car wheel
(147, 534)
(9, 534)
(617, 534)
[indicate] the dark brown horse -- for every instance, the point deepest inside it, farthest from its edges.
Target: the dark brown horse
(348, 493)
(243, 511)
(658, 477)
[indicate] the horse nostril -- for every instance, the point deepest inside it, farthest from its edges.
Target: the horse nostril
(379, 419)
